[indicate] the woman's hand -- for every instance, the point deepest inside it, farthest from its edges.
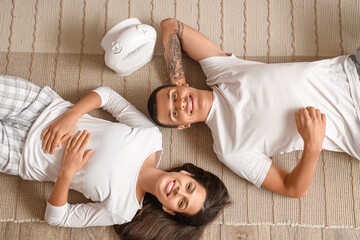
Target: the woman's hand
(311, 124)
(74, 158)
(58, 132)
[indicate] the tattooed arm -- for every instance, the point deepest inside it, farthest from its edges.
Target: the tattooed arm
(172, 33)
(178, 37)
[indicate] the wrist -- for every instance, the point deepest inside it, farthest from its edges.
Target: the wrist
(312, 149)
(66, 175)
(74, 114)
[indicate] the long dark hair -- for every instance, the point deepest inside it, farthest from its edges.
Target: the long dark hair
(151, 222)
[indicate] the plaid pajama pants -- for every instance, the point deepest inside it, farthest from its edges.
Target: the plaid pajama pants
(21, 102)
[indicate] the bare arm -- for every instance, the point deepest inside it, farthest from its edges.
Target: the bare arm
(172, 36)
(63, 127)
(176, 37)
(311, 126)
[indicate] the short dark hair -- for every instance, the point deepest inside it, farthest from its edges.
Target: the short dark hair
(152, 107)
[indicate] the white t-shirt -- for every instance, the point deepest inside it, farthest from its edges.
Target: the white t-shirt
(109, 178)
(254, 105)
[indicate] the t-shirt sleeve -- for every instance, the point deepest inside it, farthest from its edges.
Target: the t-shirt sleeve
(81, 215)
(121, 109)
(251, 166)
(222, 67)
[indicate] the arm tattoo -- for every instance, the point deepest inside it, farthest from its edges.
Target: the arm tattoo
(180, 30)
(173, 57)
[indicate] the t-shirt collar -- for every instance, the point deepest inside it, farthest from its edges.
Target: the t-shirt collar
(212, 109)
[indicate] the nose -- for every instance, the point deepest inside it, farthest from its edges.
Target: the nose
(177, 190)
(180, 191)
(181, 104)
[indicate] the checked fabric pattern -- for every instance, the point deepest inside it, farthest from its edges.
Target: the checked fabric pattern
(21, 102)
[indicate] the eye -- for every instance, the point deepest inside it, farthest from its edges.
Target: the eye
(188, 187)
(175, 114)
(181, 203)
(174, 95)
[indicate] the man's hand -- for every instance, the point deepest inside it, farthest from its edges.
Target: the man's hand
(74, 158)
(311, 124)
(58, 132)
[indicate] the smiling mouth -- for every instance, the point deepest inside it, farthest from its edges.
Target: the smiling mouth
(191, 104)
(170, 187)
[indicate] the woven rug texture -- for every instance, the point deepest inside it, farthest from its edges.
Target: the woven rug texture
(57, 43)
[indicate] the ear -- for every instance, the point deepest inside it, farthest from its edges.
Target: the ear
(184, 126)
(179, 84)
(168, 211)
(186, 173)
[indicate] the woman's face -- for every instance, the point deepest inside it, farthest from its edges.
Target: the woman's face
(179, 192)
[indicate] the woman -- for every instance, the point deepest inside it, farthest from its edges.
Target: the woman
(117, 171)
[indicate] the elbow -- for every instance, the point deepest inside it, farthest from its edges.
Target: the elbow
(297, 194)
(168, 23)
(52, 221)
(53, 217)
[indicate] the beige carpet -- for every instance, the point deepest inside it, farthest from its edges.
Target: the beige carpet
(57, 43)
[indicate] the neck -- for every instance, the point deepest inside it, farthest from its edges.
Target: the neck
(148, 178)
(208, 95)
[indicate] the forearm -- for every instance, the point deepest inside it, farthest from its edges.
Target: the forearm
(172, 31)
(310, 123)
(298, 181)
(60, 191)
(90, 102)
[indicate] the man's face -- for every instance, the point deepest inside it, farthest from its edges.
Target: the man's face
(180, 106)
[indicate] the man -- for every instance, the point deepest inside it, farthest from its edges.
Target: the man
(251, 107)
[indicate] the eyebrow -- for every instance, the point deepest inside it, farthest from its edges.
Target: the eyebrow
(193, 188)
(168, 96)
(187, 202)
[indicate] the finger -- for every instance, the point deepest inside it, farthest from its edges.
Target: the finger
(76, 138)
(63, 139)
(318, 113)
(323, 118)
(46, 139)
(298, 120)
(87, 156)
(81, 139)
(311, 111)
(49, 143)
(85, 142)
(305, 113)
(44, 133)
(69, 142)
(55, 143)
